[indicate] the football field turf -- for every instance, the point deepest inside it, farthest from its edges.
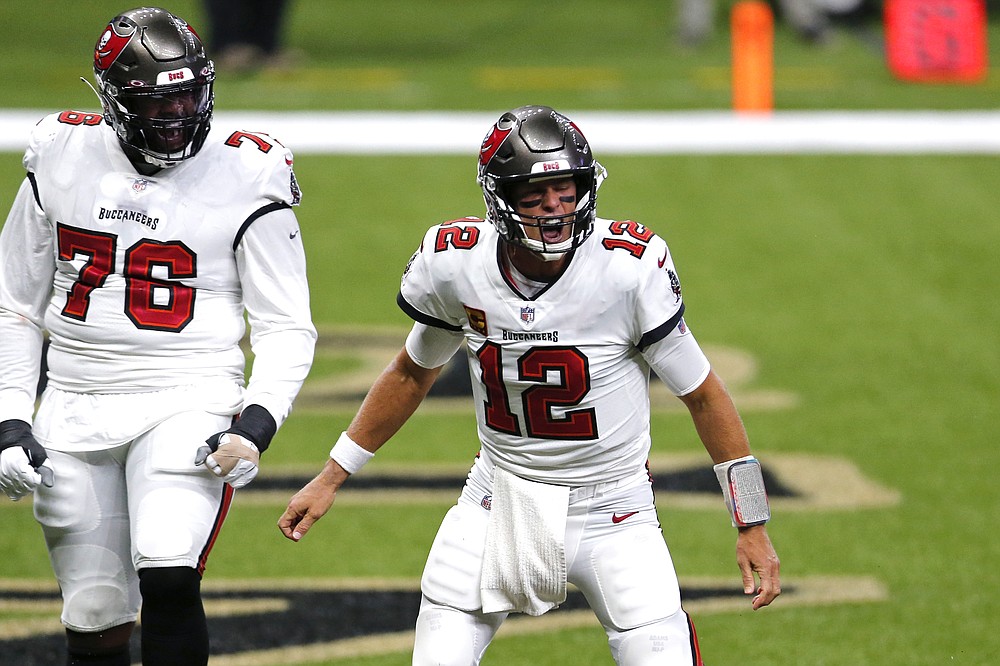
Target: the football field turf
(848, 300)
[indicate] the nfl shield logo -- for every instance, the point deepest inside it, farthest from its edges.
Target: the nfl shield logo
(139, 184)
(527, 314)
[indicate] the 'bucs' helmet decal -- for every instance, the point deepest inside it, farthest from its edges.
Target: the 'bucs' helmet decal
(155, 85)
(531, 142)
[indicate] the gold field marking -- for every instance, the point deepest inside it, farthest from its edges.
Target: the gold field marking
(371, 349)
(815, 482)
(807, 591)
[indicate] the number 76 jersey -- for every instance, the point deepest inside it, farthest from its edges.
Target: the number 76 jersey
(560, 385)
(142, 281)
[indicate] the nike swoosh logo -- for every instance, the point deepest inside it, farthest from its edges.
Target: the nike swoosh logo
(293, 235)
(615, 518)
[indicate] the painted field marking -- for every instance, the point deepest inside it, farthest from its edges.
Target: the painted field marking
(242, 601)
(626, 132)
(371, 349)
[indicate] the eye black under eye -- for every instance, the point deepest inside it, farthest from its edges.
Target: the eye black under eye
(567, 199)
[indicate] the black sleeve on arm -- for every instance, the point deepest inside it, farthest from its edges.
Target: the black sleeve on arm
(257, 425)
(14, 432)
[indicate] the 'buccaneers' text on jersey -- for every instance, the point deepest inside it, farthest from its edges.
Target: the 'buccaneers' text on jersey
(559, 377)
(152, 273)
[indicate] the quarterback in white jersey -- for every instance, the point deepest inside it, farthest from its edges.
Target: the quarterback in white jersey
(138, 242)
(561, 388)
(564, 315)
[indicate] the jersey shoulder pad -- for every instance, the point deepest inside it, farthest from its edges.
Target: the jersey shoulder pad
(465, 233)
(445, 248)
(257, 157)
(629, 247)
(55, 128)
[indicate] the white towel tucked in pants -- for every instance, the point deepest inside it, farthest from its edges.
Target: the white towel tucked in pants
(524, 565)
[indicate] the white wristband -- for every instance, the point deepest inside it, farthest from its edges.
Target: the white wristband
(742, 483)
(349, 454)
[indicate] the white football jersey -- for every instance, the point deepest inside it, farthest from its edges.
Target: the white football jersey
(559, 382)
(142, 281)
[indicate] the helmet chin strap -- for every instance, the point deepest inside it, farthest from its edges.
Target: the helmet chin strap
(515, 247)
(143, 163)
(157, 162)
(527, 243)
(539, 247)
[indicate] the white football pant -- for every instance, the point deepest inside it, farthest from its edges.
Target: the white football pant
(114, 511)
(615, 555)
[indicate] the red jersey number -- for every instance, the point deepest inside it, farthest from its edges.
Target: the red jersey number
(159, 305)
(80, 118)
(572, 372)
(151, 303)
(451, 235)
(638, 235)
(237, 138)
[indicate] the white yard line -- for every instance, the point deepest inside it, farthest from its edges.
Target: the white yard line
(709, 132)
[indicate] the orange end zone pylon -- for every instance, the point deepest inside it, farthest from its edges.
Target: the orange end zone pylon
(752, 29)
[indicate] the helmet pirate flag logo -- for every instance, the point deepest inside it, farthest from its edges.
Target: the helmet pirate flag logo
(493, 141)
(112, 42)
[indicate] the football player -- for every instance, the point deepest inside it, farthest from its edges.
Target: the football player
(563, 315)
(137, 243)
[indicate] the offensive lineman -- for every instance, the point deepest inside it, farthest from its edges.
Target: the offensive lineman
(563, 315)
(137, 242)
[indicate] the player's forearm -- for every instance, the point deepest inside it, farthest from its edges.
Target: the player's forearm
(20, 361)
(27, 262)
(393, 398)
(717, 421)
(282, 360)
(723, 443)
(282, 335)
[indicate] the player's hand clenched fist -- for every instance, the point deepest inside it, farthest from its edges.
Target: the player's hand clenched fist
(234, 454)
(231, 457)
(22, 460)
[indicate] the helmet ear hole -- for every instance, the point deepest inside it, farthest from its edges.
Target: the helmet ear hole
(155, 82)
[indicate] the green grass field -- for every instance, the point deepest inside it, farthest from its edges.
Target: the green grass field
(475, 54)
(858, 290)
